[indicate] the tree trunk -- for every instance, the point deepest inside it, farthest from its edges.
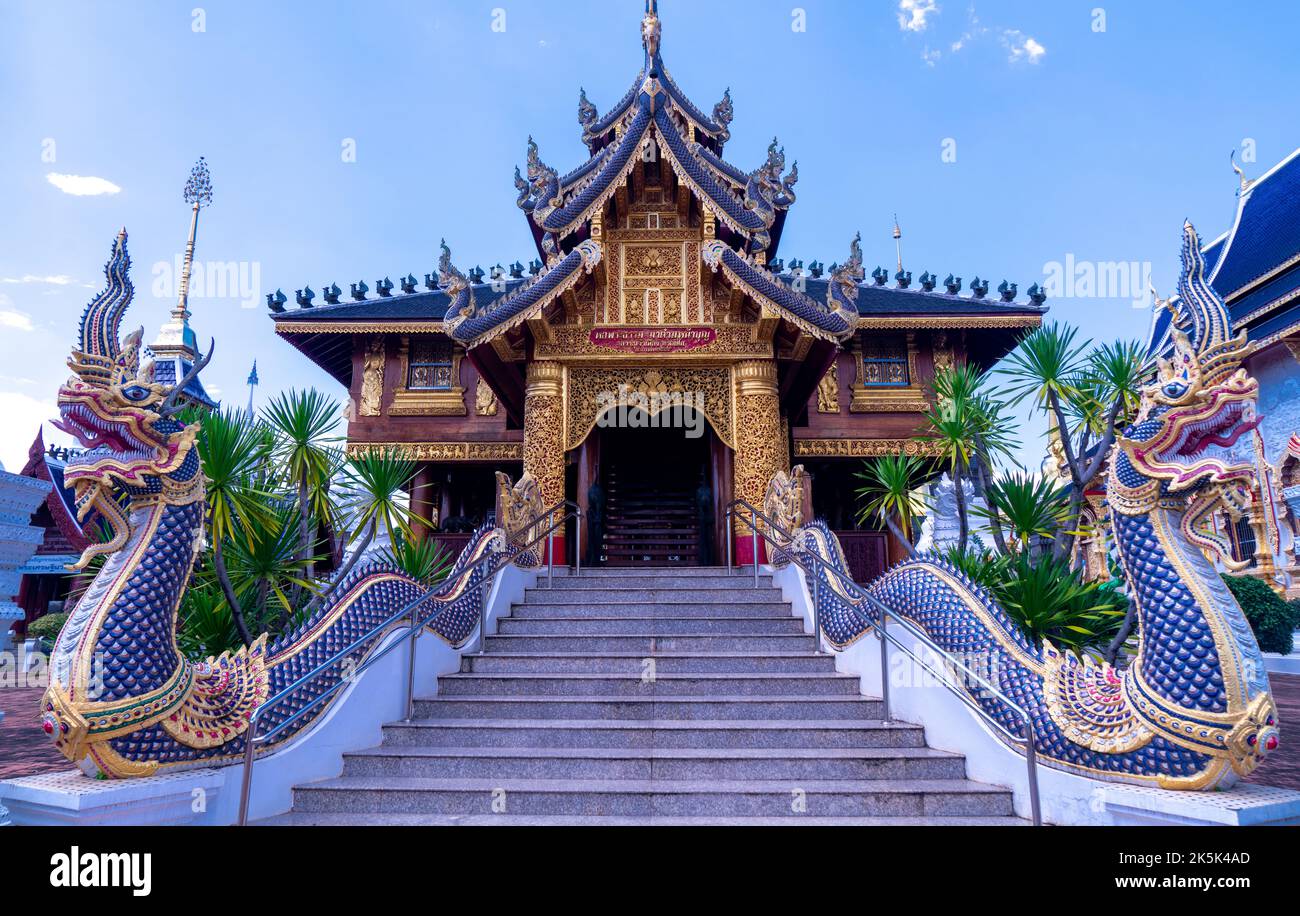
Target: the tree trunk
(898, 533)
(962, 526)
(1121, 637)
(237, 612)
(995, 517)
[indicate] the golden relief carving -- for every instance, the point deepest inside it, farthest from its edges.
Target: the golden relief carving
(572, 343)
(485, 400)
(760, 449)
(372, 378)
(444, 451)
(592, 390)
(863, 448)
(828, 392)
(544, 429)
(518, 507)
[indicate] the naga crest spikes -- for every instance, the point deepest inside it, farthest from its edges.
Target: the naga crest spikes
(587, 114)
(100, 357)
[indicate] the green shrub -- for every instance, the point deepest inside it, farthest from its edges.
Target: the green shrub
(1273, 620)
(47, 627)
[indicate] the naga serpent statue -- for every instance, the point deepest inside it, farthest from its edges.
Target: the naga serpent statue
(1192, 709)
(122, 699)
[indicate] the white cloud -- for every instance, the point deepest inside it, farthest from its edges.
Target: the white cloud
(913, 14)
(56, 280)
(931, 56)
(82, 185)
(23, 416)
(1021, 47)
(15, 320)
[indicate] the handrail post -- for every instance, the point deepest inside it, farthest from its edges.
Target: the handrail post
(816, 612)
(726, 529)
(577, 547)
(482, 617)
(884, 665)
(549, 544)
(410, 664)
(1031, 761)
(753, 522)
(246, 783)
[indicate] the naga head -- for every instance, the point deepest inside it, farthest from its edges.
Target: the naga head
(119, 414)
(1201, 401)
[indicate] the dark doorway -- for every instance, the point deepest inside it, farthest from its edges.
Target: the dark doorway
(659, 504)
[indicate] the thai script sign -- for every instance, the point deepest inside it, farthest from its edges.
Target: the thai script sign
(652, 339)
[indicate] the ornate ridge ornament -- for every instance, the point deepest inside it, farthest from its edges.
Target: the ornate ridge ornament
(1193, 709)
(123, 700)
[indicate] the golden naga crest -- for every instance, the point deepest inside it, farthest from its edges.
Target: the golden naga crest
(519, 506)
(784, 501)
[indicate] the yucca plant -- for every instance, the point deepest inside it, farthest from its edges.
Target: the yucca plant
(303, 423)
(1049, 600)
(267, 573)
(206, 627)
(234, 451)
(1030, 506)
(983, 568)
(377, 481)
(888, 493)
(427, 561)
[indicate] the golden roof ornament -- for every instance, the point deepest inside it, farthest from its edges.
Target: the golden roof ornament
(651, 29)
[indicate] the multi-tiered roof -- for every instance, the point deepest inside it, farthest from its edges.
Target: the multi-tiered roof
(749, 208)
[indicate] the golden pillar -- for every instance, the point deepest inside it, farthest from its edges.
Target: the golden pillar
(760, 442)
(544, 435)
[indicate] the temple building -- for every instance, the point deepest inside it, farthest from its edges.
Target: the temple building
(658, 358)
(1255, 267)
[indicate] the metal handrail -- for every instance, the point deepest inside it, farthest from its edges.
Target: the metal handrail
(857, 596)
(505, 557)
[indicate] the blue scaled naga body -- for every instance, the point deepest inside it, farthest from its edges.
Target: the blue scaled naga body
(1193, 708)
(123, 700)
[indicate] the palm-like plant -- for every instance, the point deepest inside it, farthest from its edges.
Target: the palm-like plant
(206, 624)
(1097, 390)
(1049, 600)
(267, 573)
(1030, 506)
(234, 452)
(426, 560)
(888, 493)
(377, 480)
(303, 423)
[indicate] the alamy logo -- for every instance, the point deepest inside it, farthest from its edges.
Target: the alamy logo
(103, 869)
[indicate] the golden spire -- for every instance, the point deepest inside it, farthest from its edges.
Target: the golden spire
(176, 337)
(898, 243)
(651, 29)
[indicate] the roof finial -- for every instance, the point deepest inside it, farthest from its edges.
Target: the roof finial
(176, 337)
(651, 29)
(898, 243)
(1245, 182)
(252, 384)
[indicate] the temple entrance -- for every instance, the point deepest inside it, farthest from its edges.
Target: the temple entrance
(656, 500)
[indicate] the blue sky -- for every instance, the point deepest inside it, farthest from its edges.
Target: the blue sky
(1070, 140)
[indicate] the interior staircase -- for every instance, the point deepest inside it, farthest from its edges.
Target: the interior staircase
(650, 696)
(651, 519)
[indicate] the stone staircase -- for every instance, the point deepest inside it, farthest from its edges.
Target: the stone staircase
(636, 696)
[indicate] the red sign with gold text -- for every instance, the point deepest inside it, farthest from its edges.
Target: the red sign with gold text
(652, 339)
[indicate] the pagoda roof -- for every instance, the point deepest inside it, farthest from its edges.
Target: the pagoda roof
(1255, 265)
(168, 370)
(60, 502)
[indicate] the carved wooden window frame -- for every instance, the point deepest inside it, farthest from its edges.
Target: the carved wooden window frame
(876, 398)
(427, 402)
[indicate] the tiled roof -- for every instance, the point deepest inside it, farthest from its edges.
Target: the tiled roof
(1267, 231)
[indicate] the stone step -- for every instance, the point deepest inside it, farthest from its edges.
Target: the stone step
(661, 572)
(648, 708)
(337, 819)
(433, 762)
(645, 643)
(560, 594)
(661, 734)
(635, 663)
(630, 797)
(637, 686)
(614, 626)
(536, 608)
(642, 578)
